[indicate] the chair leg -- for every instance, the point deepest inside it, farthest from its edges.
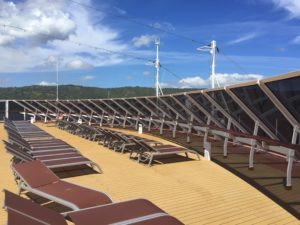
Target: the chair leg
(150, 160)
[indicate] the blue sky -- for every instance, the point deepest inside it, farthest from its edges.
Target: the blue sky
(256, 38)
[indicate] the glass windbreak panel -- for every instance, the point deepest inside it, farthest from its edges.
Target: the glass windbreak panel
(166, 109)
(72, 107)
(231, 107)
(41, 108)
(63, 106)
(140, 107)
(16, 112)
(2, 110)
(152, 106)
(48, 106)
(128, 107)
(263, 107)
(196, 111)
(95, 108)
(184, 115)
(118, 109)
(288, 93)
(85, 108)
(160, 108)
(105, 107)
(212, 110)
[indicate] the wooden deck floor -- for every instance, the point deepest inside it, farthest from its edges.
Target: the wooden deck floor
(196, 192)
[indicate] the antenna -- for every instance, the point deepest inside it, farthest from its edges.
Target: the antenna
(212, 48)
(157, 65)
(56, 79)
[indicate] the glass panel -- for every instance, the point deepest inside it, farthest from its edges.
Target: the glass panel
(73, 108)
(64, 106)
(231, 107)
(169, 114)
(197, 112)
(128, 107)
(288, 93)
(262, 106)
(15, 111)
(2, 110)
(148, 103)
(178, 108)
(118, 109)
(201, 100)
(105, 107)
(140, 107)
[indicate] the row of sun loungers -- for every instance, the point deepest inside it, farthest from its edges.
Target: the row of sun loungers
(54, 153)
(139, 212)
(141, 149)
(35, 157)
(87, 206)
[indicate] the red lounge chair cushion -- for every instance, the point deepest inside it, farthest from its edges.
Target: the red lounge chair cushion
(115, 212)
(80, 196)
(35, 173)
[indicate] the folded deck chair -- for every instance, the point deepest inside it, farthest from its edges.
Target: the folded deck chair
(51, 159)
(147, 152)
(36, 178)
(138, 212)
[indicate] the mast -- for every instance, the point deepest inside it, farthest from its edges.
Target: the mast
(212, 48)
(157, 65)
(57, 79)
(213, 62)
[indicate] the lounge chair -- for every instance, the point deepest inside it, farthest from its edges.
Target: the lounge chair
(147, 153)
(37, 146)
(121, 142)
(52, 159)
(36, 178)
(24, 212)
(137, 212)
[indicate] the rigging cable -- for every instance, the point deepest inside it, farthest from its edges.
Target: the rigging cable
(103, 49)
(138, 23)
(109, 51)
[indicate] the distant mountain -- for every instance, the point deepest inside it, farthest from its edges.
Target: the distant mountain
(79, 92)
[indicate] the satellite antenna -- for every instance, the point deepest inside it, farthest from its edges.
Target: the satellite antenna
(157, 65)
(213, 49)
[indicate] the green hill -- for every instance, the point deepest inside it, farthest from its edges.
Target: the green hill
(79, 92)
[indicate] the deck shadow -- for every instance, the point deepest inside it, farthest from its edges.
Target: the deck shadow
(74, 171)
(271, 183)
(168, 160)
(47, 203)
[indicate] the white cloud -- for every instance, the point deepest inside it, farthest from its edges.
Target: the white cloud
(44, 23)
(234, 78)
(78, 64)
(163, 26)
(143, 40)
(244, 38)
(88, 77)
(292, 6)
(191, 82)
(46, 83)
(168, 85)
(53, 29)
(129, 77)
(296, 40)
(147, 73)
(222, 78)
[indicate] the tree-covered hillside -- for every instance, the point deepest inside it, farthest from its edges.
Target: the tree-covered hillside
(79, 92)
